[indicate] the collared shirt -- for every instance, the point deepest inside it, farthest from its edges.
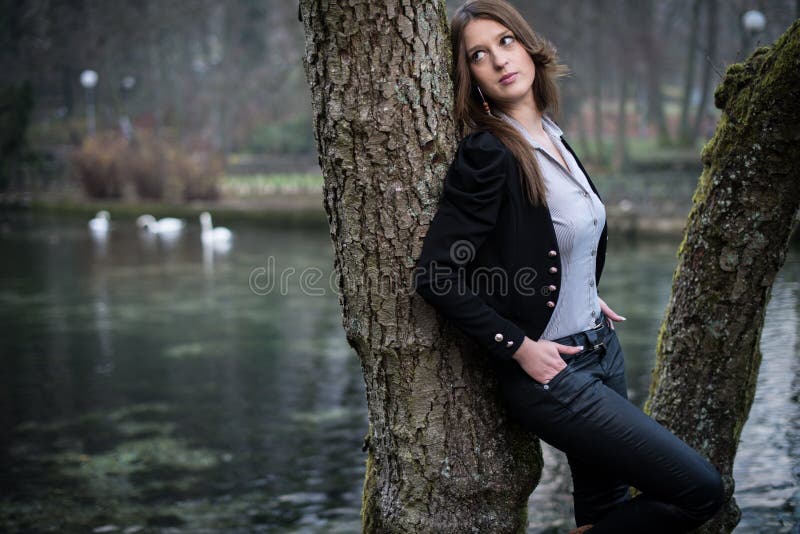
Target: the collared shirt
(578, 218)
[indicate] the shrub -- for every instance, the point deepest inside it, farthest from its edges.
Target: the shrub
(16, 104)
(109, 166)
(291, 136)
(97, 165)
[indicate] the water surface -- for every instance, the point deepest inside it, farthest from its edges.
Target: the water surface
(154, 386)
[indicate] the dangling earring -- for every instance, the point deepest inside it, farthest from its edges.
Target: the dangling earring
(485, 103)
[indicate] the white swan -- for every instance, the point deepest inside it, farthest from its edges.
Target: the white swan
(167, 225)
(100, 224)
(219, 235)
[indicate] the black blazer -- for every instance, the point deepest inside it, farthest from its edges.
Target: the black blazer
(490, 262)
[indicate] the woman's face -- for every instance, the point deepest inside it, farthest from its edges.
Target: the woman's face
(499, 64)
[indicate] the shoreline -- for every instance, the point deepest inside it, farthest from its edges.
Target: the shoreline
(295, 210)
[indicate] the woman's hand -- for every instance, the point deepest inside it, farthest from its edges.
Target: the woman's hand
(541, 359)
(611, 314)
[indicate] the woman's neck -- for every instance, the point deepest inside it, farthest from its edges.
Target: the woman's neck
(529, 117)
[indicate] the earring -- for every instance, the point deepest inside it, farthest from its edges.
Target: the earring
(485, 103)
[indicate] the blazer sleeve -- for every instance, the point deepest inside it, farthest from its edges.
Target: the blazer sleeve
(467, 213)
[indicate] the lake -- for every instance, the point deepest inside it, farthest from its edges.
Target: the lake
(155, 385)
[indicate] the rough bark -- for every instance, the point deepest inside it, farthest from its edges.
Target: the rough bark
(441, 456)
(735, 242)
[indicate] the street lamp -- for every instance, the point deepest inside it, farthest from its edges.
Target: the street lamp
(128, 82)
(753, 23)
(126, 86)
(88, 81)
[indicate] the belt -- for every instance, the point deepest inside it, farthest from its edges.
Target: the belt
(592, 338)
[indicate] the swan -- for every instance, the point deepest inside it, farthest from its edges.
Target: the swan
(100, 224)
(220, 234)
(166, 225)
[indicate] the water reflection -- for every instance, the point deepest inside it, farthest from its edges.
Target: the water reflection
(767, 464)
(153, 388)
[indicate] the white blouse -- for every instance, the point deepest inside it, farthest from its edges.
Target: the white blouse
(578, 218)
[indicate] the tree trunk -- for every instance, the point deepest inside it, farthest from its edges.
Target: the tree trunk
(621, 143)
(711, 52)
(650, 49)
(684, 133)
(441, 456)
(597, 78)
(620, 159)
(155, 59)
(736, 240)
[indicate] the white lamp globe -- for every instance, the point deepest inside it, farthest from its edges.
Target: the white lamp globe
(88, 79)
(754, 21)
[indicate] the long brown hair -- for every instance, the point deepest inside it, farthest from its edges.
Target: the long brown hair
(469, 112)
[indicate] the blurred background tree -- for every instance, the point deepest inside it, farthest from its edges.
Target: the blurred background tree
(227, 76)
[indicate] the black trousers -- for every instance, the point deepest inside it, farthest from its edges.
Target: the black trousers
(611, 444)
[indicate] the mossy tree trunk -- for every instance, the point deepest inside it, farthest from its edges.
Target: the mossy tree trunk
(736, 240)
(441, 457)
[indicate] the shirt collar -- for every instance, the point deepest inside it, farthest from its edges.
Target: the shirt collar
(549, 126)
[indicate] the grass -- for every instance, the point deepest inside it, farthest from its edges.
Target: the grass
(249, 185)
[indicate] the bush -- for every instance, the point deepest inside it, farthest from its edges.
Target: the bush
(16, 104)
(291, 136)
(97, 165)
(200, 173)
(108, 166)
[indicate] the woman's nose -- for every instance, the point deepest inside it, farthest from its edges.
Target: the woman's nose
(500, 61)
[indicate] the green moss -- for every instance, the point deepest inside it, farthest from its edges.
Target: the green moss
(370, 514)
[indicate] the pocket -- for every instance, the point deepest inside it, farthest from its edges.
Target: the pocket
(568, 384)
(558, 376)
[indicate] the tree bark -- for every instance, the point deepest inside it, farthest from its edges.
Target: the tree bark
(441, 456)
(735, 242)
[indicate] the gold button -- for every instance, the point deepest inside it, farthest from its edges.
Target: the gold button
(552, 287)
(551, 304)
(498, 337)
(552, 253)
(553, 270)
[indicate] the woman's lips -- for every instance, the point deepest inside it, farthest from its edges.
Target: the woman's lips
(508, 78)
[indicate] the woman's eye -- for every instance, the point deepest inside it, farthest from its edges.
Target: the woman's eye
(477, 56)
(509, 41)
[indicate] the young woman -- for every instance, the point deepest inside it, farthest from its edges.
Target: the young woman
(513, 258)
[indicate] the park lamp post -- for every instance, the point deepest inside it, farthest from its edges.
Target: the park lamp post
(89, 81)
(126, 86)
(753, 23)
